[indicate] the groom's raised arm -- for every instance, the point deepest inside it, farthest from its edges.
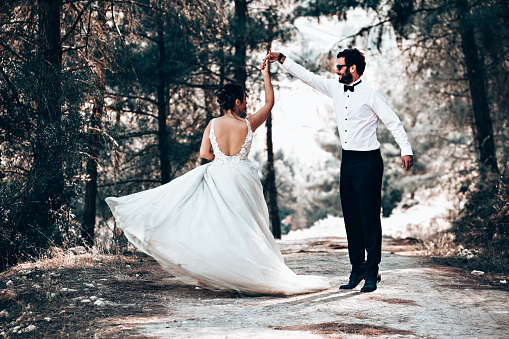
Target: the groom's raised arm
(319, 83)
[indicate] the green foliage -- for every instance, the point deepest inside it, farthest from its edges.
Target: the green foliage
(392, 193)
(287, 196)
(325, 198)
(339, 8)
(483, 223)
(40, 161)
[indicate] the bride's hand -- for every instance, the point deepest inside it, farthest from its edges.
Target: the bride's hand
(265, 67)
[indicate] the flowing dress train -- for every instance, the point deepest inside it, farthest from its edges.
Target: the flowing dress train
(212, 225)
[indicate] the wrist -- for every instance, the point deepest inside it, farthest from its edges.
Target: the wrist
(281, 58)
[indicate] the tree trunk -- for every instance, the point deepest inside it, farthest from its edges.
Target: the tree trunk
(477, 82)
(270, 179)
(51, 52)
(240, 22)
(94, 142)
(505, 12)
(46, 196)
(270, 183)
(163, 144)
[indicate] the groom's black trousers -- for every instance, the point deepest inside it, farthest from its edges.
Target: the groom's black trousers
(360, 191)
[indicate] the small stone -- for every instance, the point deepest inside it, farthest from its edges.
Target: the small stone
(93, 297)
(99, 303)
(9, 283)
(24, 272)
(128, 266)
(47, 319)
(477, 273)
(29, 328)
(86, 301)
(36, 286)
(15, 329)
(4, 314)
(78, 250)
(503, 281)
(8, 294)
(89, 285)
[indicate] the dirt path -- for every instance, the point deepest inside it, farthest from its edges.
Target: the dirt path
(417, 298)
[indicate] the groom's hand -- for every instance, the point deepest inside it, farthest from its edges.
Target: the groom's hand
(273, 56)
(407, 162)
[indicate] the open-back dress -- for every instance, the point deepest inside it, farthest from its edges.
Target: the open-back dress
(211, 224)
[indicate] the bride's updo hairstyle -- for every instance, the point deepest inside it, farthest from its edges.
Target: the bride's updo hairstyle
(227, 95)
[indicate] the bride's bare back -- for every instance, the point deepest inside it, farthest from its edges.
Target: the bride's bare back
(230, 134)
(230, 130)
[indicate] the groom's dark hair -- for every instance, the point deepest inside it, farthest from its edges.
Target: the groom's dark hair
(354, 57)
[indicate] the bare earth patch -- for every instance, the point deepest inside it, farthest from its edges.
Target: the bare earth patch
(102, 296)
(339, 329)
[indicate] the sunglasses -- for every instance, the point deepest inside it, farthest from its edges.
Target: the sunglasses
(340, 66)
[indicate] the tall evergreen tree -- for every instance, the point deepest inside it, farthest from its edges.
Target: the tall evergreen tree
(95, 126)
(41, 126)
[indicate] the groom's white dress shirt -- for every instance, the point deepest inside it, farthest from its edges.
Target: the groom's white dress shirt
(357, 112)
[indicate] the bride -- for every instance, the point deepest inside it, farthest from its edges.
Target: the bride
(211, 224)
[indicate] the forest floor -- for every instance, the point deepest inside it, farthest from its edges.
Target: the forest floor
(105, 296)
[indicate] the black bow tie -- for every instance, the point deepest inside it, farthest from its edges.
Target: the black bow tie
(351, 88)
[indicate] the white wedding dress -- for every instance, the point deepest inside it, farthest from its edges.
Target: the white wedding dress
(212, 225)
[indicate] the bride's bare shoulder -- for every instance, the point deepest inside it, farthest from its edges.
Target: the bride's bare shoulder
(228, 122)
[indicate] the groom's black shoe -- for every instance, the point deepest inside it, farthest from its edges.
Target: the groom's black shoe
(355, 279)
(370, 284)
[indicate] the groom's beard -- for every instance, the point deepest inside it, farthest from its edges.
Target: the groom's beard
(347, 78)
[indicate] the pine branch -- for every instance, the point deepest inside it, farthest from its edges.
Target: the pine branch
(78, 19)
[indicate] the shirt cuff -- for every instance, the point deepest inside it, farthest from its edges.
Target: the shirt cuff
(406, 151)
(287, 63)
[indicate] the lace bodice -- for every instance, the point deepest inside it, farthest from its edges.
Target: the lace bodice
(220, 157)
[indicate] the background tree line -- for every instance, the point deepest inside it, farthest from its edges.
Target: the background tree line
(456, 76)
(103, 97)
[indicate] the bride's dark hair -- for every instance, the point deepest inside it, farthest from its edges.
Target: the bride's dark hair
(227, 95)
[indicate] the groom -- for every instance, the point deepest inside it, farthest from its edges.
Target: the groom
(358, 107)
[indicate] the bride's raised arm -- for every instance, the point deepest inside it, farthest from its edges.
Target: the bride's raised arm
(261, 115)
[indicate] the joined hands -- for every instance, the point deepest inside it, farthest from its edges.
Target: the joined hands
(274, 56)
